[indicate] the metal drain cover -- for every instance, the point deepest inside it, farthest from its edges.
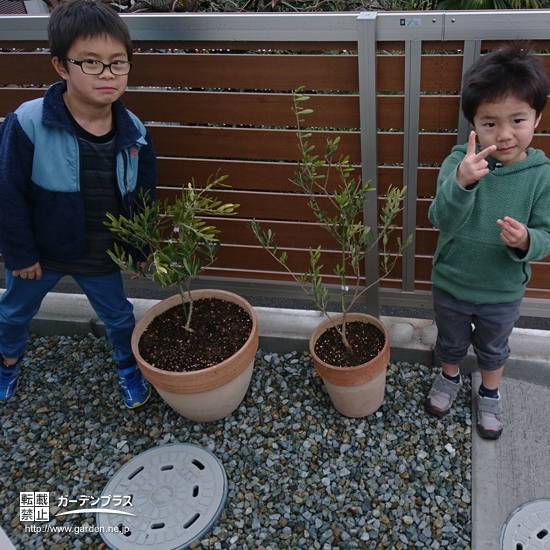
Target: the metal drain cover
(177, 492)
(528, 527)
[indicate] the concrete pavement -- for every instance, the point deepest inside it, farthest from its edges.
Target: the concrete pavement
(507, 474)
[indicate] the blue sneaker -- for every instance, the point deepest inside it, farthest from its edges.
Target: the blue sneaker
(135, 389)
(9, 377)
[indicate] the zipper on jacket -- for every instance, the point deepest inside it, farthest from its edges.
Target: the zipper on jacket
(126, 197)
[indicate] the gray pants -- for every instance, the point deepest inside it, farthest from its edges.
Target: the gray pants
(492, 326)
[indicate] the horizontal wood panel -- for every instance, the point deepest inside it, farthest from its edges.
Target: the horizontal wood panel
(434, 148)
(436, 112)
(287, 234)
(537, 293)
(293, 207)
(284, 276)
(540, 275)
(253, 72)
(331, 111)
(27, 68)
(393, 175)
(249, 71)
(246, 71)
(390, 73)
(275, 176)
(304, 234)
(542, 141)
(238, 143)
(441, 73)
(12, 98)
(422, 207)
(251, 175)
(278, 206)
(254, 258)
(423, 285)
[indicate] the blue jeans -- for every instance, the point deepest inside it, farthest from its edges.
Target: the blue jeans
(22, 298)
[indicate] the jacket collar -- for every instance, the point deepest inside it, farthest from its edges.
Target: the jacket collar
(55, 115)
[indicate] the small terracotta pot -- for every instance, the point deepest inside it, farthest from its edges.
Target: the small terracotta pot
(209, 394)
(355, 391)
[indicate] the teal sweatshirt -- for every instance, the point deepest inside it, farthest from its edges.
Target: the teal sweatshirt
(471, 262)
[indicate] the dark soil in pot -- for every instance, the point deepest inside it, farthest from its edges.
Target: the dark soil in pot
(220, 328)
(366, 342)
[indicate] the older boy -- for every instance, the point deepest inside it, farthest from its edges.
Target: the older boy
(65, 160)
(493, 211)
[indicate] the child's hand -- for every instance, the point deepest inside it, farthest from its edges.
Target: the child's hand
(514, 234)
(33, 272)
(143, 266)
(473, 165)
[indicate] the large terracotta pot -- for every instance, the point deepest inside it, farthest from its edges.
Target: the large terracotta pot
(355, 391)
(209, 394)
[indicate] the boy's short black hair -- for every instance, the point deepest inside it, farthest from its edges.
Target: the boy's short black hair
(75, 19)
(511, 71)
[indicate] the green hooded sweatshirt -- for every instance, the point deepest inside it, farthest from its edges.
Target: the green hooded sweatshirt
(471, 262)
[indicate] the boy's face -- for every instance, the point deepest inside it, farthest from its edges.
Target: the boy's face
(92, 91)
(509, 124)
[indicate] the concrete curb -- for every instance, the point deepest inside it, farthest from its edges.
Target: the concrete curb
(284, 330)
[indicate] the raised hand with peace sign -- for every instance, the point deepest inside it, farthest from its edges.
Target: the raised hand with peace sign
(473, 166)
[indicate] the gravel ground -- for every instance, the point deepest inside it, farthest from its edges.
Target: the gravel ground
(301, 476)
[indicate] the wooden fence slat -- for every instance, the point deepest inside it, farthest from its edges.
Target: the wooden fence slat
(12, 98)
(252, 143)
(304, 234)
(246, 71)
(239, 143)
(292, 207)
(255, 109)
(441, 73)
(27, 68)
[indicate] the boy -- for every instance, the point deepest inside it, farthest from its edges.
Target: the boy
(492, 208)
(65, 160)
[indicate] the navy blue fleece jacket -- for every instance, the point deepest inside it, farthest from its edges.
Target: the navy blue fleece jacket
(41, 206)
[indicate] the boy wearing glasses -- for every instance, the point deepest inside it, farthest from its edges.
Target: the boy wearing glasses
(65, 161)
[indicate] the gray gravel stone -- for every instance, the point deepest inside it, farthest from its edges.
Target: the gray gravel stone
(301, 476)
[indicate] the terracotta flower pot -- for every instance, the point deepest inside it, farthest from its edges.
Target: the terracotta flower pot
(355, 391)
(210, 394)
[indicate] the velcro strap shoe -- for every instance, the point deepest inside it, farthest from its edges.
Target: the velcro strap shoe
(442, 396)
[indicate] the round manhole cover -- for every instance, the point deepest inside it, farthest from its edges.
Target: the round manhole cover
(528, 527)
(163, 499)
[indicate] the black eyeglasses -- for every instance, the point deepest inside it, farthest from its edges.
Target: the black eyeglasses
(91, 66)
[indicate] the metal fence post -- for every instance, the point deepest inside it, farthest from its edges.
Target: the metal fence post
(366, 45)
(413, 55)
(472, 51)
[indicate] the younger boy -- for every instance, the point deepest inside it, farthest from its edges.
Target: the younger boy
(493, 211)
(65, 161)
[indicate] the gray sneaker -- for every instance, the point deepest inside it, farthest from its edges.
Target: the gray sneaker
(489, 417)
(442, 395)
